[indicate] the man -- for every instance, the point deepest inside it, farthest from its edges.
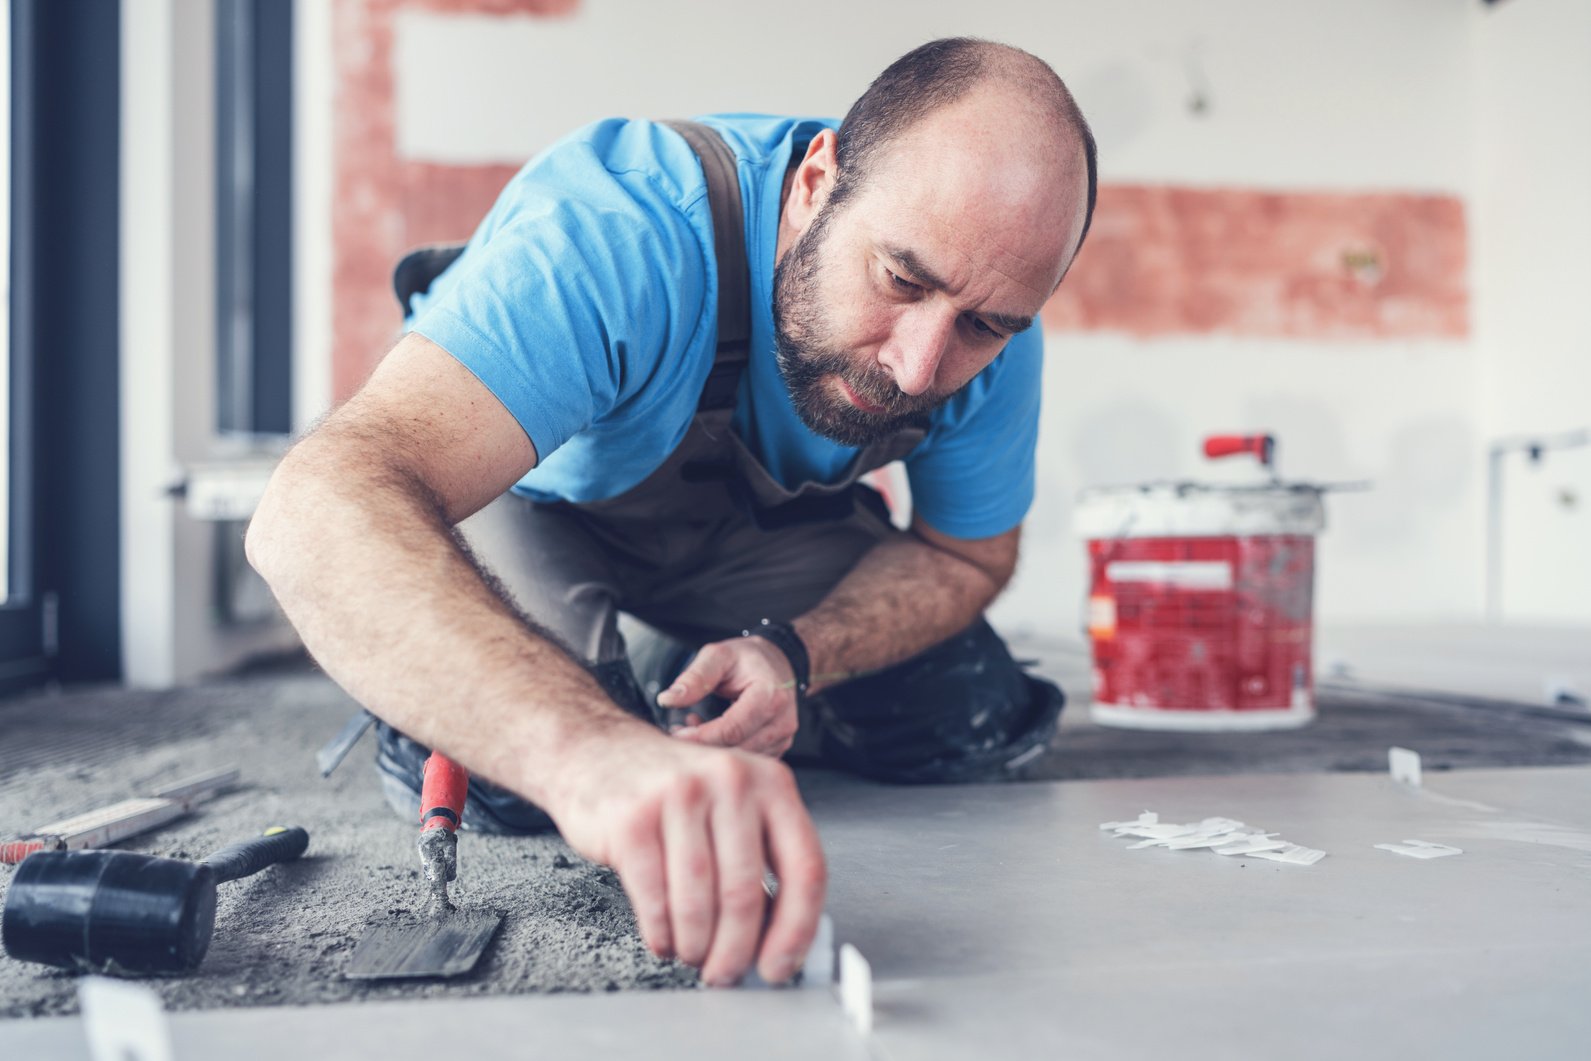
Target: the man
(585, 351)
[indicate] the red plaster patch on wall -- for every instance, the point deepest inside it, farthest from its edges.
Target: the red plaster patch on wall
(1166, 260)
(379, 210)
(444, 203)
(494, 7)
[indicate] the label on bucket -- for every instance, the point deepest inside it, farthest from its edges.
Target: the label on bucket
(1187, 574)
(1101, 616)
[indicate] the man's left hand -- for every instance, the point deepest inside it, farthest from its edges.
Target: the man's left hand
(757, 678)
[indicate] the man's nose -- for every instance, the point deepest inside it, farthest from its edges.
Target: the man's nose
(916, 346)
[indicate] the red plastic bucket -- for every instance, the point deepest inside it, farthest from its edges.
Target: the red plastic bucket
(1200, 607)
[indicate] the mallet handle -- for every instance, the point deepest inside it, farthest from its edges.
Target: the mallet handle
(251, 856)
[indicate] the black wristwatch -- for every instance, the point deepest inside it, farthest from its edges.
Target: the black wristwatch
(783, 637)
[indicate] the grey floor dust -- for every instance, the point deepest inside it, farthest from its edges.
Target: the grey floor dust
(284, 936)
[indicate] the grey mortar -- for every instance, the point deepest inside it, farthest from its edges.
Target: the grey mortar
(284, 936)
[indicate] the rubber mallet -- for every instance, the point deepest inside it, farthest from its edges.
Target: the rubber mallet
(127, 914)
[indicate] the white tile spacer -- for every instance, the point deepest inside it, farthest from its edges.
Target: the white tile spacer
(1250, 843)
(1405, 766)
(1421, 849)
(856, 988)
(124, 1021)
(818, 969)
(1295, 854)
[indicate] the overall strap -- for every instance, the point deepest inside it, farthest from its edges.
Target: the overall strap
(734, 273)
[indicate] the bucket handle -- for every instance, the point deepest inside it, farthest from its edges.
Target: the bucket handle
(1262, 447)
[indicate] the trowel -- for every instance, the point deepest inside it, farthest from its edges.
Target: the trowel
(446, 941)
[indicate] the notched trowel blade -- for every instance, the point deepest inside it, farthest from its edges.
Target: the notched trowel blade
(436, 947)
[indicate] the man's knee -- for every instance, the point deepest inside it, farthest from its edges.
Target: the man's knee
(963, 710)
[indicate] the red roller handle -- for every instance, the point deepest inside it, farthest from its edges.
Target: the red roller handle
(1263, 447)
(442, 793)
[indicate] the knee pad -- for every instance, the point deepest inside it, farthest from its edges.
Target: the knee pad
(617, 679)
(400, 761)
(963, 710)
(488, 808)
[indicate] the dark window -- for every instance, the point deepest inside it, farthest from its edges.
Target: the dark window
(254, 181)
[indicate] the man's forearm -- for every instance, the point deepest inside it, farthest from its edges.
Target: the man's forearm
(369, 572)
(905, 595)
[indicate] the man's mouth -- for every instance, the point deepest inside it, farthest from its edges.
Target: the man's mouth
(859, 401)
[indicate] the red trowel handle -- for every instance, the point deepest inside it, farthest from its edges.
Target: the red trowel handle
(15, 851)
(442, 793)
(1263, 447)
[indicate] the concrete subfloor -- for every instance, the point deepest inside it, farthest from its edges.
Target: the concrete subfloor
(284, 935)
(1357, 720)
(997, 919)
(1524, 665)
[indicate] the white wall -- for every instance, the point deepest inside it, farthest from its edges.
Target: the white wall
(1117, 410)
(1533, 290)
(147, 322)
(1357, 95)
(170, 631)
(313, 95)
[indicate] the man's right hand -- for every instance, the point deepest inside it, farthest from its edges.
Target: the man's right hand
(690, 830)
(353, 534)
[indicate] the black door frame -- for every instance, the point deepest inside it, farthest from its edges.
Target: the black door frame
(64, 620)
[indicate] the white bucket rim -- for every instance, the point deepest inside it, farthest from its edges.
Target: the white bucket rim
(1187, 720)
(1189, 510)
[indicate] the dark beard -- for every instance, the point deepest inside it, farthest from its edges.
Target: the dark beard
(806, 363)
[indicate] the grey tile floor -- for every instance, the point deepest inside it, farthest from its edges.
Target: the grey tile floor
(1001, 922)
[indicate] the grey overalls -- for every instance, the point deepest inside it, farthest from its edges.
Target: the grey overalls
(709, 544)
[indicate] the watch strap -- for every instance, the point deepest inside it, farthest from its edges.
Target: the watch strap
(783, 637)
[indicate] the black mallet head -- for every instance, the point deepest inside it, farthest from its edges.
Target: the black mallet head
(124, 913)
(109, 911)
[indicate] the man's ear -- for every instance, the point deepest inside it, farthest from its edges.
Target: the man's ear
(813, 180)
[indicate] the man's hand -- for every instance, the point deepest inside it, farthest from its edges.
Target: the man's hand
(753, 674)
(690, 831)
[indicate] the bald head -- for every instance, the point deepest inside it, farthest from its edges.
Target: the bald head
(1024, 110)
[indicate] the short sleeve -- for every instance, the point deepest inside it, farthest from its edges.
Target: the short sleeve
(580, 285)
(973, 476)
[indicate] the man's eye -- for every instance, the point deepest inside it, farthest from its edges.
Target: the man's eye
(984, 330)
(901, 282)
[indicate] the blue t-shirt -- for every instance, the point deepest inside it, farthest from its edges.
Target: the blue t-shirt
(587, 300)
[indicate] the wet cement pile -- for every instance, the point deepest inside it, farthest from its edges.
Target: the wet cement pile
(285, 935)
